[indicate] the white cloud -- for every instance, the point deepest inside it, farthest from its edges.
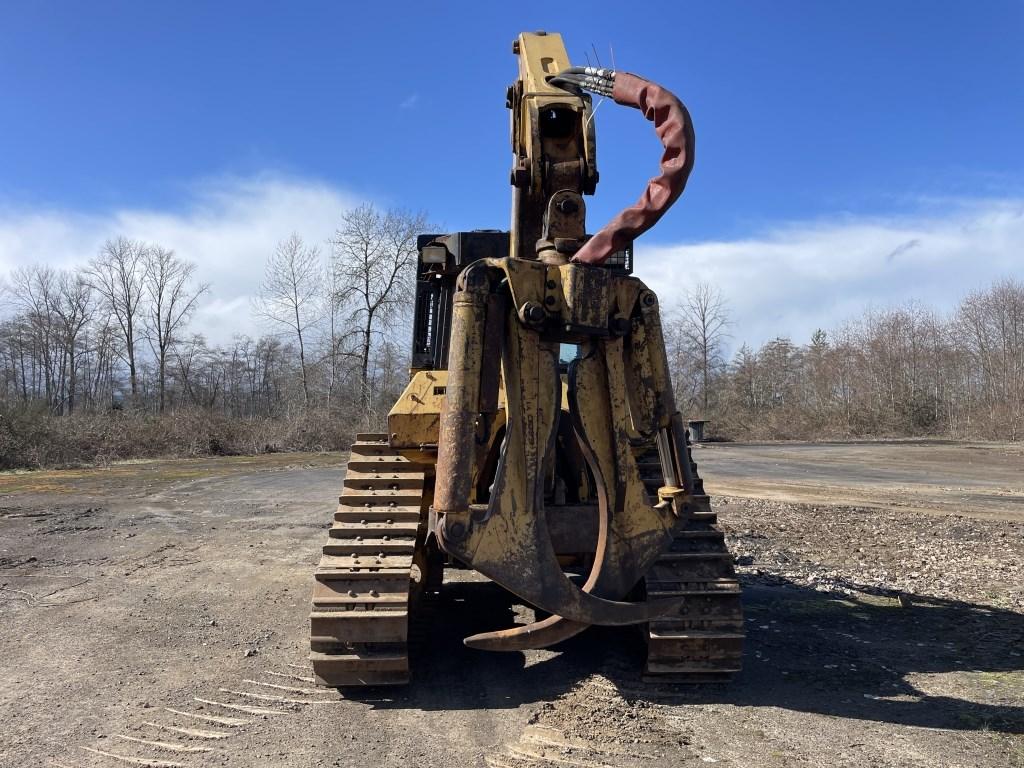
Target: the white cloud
(228, 227)
(789, 280)
(805, 275)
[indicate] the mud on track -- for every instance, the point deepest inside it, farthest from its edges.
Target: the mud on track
(155, 614)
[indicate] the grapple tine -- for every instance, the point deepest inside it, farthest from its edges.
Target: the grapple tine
(539, 634)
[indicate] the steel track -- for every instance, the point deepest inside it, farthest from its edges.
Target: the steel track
(369, 575)
(703, 641)
(370, 581)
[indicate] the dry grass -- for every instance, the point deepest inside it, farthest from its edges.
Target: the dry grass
(35, 440)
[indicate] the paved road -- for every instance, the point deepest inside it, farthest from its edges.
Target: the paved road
(977, 479)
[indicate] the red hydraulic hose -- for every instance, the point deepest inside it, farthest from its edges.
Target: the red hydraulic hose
(674, 129)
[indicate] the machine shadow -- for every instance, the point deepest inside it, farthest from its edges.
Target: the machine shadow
(858, 657)
(448, 675)
(809, 651)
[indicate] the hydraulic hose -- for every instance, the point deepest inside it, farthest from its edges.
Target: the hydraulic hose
(675, 131)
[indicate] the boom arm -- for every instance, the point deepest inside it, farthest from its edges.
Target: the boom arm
(554, 152)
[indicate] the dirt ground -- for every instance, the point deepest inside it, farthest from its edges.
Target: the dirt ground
(155, 614)
(976, 479)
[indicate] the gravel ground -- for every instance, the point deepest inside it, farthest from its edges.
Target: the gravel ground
(851, 550)
(155, 614)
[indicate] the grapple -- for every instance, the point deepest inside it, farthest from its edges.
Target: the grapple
(513, 315)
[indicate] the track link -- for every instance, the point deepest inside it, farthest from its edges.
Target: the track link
(368, 576)
(703, 641)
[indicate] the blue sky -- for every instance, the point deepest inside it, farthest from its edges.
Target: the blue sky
(834, 116)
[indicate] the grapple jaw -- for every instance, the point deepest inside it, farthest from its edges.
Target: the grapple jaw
(511, 315)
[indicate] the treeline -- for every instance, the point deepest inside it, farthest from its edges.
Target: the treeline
(903, 371)
(102, 361)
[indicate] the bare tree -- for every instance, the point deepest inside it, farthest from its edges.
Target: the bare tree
(703, 323)
(117, 275)
(990, 326)
(172, 299)
(100, 342)
(374, 262)
(290, 294)
(334, 336)
(73, 308)
(35, 291)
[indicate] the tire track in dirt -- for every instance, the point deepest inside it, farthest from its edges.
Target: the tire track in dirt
(173, 738)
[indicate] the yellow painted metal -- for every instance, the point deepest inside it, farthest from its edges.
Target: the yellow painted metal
(639, 532)
(534, 391)
(540, 57)
(548, 303)
(513, 450)
(511, 542)
(414, 418)
(575, 294)
(545, 161)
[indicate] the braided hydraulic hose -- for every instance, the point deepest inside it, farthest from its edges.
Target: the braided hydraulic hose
(675, 131)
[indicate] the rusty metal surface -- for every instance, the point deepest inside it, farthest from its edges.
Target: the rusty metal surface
(638, 531)
(633, 533)
(457, 443)
(511, 544)
(509, 539)
(624, 365)
(564, 229)
(701, 641)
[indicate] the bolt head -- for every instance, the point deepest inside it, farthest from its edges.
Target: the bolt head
(533, 312)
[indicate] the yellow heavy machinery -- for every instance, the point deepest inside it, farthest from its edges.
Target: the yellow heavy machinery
(537, 441)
